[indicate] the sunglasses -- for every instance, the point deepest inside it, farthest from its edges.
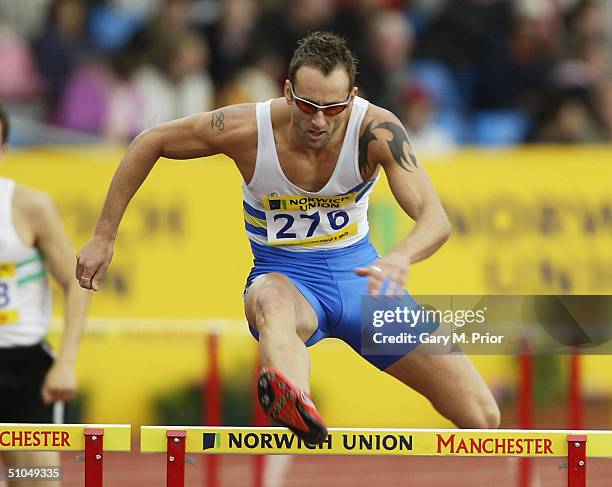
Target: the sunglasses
(310, 107)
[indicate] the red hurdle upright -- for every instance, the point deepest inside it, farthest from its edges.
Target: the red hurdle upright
(212, 404)
(175, 459)
(576, 460)
(525, 413)
(259, 420)
(94, 457)
(525, 410)
(574, 392)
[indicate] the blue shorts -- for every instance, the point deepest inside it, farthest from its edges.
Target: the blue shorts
(327, 280)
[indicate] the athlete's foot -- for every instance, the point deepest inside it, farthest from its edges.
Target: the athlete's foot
(290, 406)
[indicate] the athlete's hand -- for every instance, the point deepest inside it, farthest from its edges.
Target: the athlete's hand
(393, 268)
(92, 262)
(60, 383)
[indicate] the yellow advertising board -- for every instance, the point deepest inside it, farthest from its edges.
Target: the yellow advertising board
(61, 437)
(353, 441)
(524, 220)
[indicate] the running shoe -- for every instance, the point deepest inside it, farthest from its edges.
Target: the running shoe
(290, 406)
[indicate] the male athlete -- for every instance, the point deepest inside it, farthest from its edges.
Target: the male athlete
(309, 161)
(34, 384)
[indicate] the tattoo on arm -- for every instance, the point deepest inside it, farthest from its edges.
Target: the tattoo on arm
(364, 141)
(396, 146)
(217, 121)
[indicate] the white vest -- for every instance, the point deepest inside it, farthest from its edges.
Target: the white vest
(25, 297)
(279, 213)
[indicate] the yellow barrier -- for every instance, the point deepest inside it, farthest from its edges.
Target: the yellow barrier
(94, 440)
(353, 441)
(525, 220)
(61, 437)
(577, 446)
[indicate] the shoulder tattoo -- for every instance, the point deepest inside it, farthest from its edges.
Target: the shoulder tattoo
(398, 146)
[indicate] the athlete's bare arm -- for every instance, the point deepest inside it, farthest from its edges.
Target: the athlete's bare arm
(231, 130)
(384, 142)
(38, 217)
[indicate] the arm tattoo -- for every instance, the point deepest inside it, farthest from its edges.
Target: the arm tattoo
(364, 141)
(218, 120)
(396, 146)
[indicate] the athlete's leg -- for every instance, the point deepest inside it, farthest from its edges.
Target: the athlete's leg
(452, 384)
(285, 320)
(31, 459)
(21, 402)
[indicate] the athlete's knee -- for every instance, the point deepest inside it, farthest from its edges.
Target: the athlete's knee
(492, 415)
(482, 413)
(274, 310)
(272, 304)
(271, 300)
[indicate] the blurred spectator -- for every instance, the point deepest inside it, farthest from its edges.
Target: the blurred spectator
(112, 28)
(459, 30)
(384, 74)
(143, 8)
(586, 44)
(283, 27)
(102, 98)
(587, 18)
(175, 13)
(26, 18)
(175, 83)
(514, 69)
(260, 80)
(19, 79)
(351, 18)
(426, 137)
(604, 103)
(230, 36)
(585, 65)
(62, 45)
(429, 9)
(172, 15)
(568, 117)
(305, 15)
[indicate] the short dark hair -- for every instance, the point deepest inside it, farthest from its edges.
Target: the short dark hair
(323, 51)
(4, 122)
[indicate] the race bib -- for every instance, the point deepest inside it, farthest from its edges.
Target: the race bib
(309, 220)
(8, 293)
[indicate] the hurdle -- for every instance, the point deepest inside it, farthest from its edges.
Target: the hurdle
(93, 439)
(575, 446)
(525, 408)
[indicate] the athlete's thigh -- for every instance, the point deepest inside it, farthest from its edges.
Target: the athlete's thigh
(46, 459)
(349, 329)
(446, 380)
(289, 301)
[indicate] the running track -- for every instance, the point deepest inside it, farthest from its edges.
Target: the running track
(139, 470)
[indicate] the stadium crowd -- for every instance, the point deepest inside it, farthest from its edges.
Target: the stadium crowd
(490, 72)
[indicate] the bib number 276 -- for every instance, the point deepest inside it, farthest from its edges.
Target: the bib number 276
(337, 220)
